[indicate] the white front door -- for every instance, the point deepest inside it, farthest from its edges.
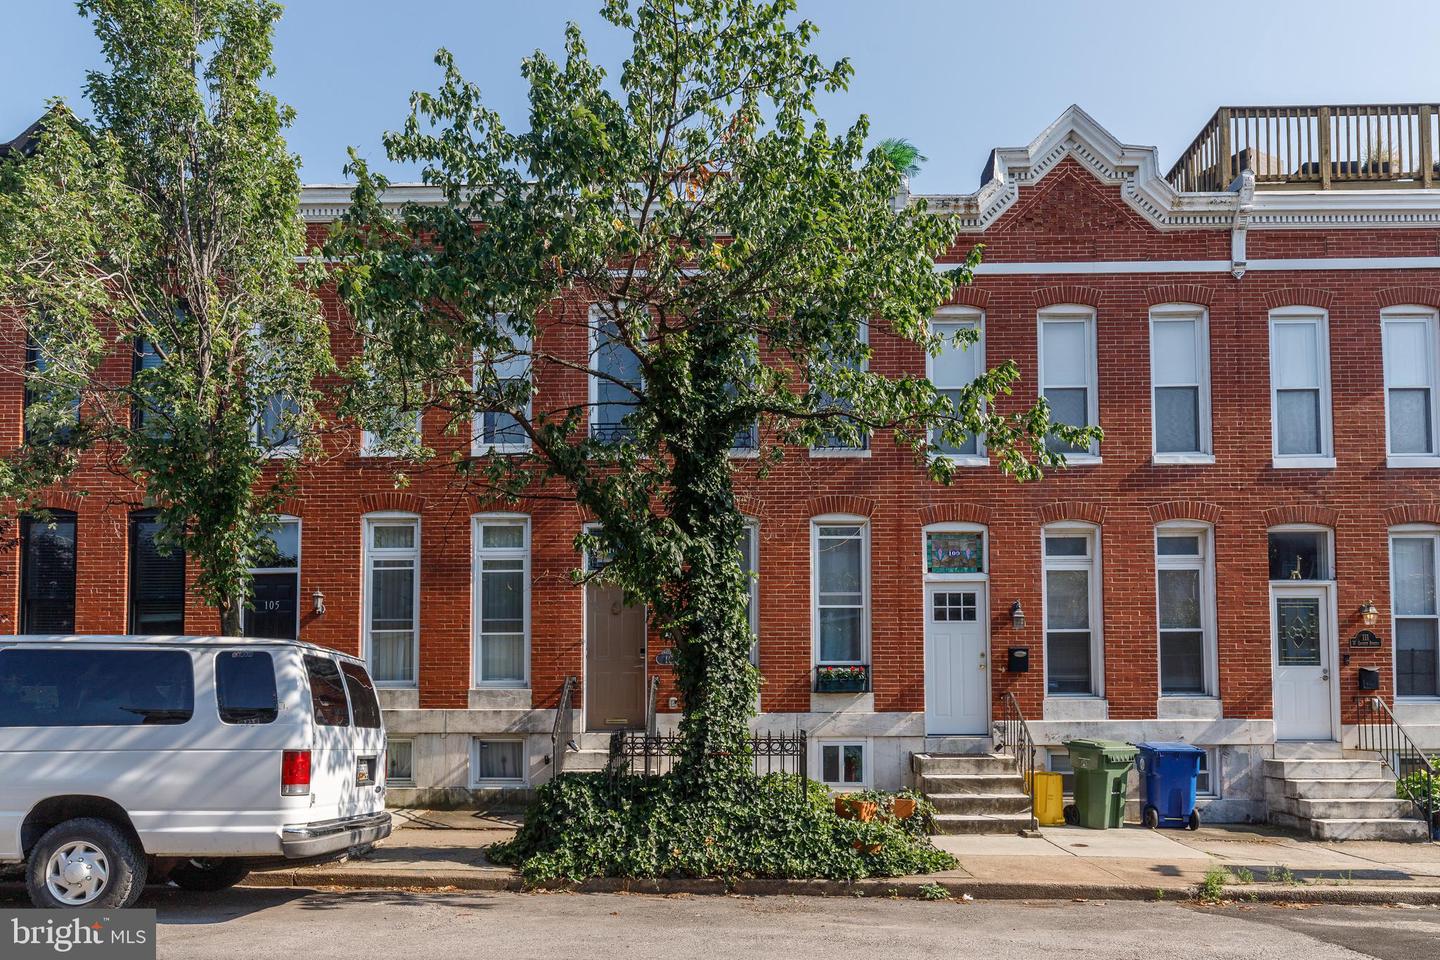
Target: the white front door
(957, 688)
(1303, 636)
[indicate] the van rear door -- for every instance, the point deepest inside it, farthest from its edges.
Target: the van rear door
(367, 735)
(332, 757)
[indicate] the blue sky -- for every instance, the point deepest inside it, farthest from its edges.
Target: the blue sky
(955, 77)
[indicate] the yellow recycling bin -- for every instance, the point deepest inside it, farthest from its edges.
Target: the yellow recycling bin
(1048, 793)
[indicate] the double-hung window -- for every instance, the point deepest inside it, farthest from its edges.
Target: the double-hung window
(840, 551)
(392, 598)
(1300, 388)
(1410, 345)
(1185, 607)
(841, 442)
(157, 580)
(1417, 619)
(750, 566)
(372, 444)
(47, 573)
(507, 371)
(960, 362)
(502, 599)
(1068, 377)
(1180, 383)
(616, 382)
(1072, 610)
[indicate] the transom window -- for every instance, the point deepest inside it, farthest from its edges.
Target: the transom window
(1300, 554)
(958, 364)
(1180, 381)
(1417, 619)
(1300, 388)
(1068, 374)
(392, 598)
(841, 560)
(1186, 610)
(502, 604)
(949, 552)
(1072, 611)
(1410, 381)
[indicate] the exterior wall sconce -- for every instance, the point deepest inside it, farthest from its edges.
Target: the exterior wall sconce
(1017, 616)
(317, 603)
(1368, 613)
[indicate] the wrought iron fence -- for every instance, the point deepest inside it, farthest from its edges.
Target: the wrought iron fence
(1379, 732)
(646, 755)
(562, 734)
(1012, 738)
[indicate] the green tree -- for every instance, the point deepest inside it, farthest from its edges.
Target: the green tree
(165, 234)
(736, 253)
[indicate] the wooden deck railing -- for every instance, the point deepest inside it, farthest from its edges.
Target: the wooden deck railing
(1310, 147)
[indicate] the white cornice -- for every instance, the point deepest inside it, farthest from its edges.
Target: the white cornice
(320, 202)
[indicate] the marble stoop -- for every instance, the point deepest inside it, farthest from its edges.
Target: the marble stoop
(973, 793)
(1339, 798)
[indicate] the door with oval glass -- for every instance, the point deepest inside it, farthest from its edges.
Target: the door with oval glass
(957, 684)
(1304, 684)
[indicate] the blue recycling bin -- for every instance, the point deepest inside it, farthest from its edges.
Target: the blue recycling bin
(1168, 772)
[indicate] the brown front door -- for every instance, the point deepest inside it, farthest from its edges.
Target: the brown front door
(614, 660)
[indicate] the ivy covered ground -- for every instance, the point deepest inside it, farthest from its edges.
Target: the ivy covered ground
(597, 825)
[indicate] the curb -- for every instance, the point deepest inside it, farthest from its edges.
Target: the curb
(906, 888)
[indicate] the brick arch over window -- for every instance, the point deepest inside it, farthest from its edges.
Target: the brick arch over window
(841, 503)
(1412, 513)
(1178, 293)
(1300, 513)
(1185, 510)
(1072, 510)
(1408, 295)
(60, 501)
(391, 501)
(290, 507)
(967, 295)
(1298, 297)
(954, 513)
(1067, 293)
(750, 505)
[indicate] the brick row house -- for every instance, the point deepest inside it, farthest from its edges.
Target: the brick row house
(1254, 540)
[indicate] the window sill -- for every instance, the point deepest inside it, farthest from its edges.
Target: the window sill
(1303, 463)
(484, 449)
(829, 453)
(1404, 462)
(498, 784)
(744, 453)
(964, 459)
(1083, 459)
(1183, 459)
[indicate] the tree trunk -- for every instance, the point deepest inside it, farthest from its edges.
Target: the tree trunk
(232, 618)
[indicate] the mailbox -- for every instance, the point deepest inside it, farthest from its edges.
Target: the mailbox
(1018, 660)
(1369, 679)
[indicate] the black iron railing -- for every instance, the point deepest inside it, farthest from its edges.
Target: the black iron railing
(562, 734)
(1378, 731)
(649, 755)
(1012, 738)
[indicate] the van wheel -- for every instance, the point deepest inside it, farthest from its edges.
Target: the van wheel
(207, 876)
(86, 862)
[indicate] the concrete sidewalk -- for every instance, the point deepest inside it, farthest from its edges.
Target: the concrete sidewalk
(437, 850)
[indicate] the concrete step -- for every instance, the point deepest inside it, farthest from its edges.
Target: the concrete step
(1356, 789)
(1351, 809)
(980, 804)
(969, 783)
(1364, 829)
(934, 763)
(964, 746)
(586, 761)
(953, 823)
(1308, 749)
(1324, 769)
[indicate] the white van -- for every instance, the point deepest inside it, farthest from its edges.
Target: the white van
(193, 759)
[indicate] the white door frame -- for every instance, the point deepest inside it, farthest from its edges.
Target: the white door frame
(1326, 590)
(982, 616)
(958, 581)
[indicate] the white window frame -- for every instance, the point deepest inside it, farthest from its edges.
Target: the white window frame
(400, 781)
(866, 758)
(1071, 312)
(476, 781)
(1201, 317)
(1211, 773)
(1411, 531)
(864, 449)
(1092, 564)
(1205, 564)
(981, 529)
(370, 554)
(596, 318)
(370, 445)
(752, 535)
(299, 565)
(839, 520)
(961, 317)
(478, 554)
(1325, 459)
(1431, 318)
(523, 348)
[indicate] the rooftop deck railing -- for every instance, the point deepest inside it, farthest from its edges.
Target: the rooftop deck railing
(1314, 147)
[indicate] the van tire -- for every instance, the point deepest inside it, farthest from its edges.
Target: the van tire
(208, 876)
(125, 862)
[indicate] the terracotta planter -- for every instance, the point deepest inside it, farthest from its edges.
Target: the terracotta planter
(903, 808)
(867, 847)
(842, 808)
(864, 810)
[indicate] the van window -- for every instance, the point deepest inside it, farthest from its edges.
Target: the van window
(95, 688)
(327, 692)
(362, 695)
(245, 687)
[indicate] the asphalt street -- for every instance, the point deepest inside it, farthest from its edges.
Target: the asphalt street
(262, 922)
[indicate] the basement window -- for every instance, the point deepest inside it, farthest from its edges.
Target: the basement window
(843, 765)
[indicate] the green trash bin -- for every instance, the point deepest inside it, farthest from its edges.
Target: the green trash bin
(1102, 769)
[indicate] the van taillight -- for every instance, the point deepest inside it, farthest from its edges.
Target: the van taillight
(295, 773)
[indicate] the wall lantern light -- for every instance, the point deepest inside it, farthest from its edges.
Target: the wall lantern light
(1017, 616)
(317, 602)
(1368, 613)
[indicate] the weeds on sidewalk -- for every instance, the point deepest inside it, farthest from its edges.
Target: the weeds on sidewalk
(1242, 874)
(1213, 886)
(932, 891)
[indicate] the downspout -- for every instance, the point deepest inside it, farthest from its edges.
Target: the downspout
(1244, 185)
